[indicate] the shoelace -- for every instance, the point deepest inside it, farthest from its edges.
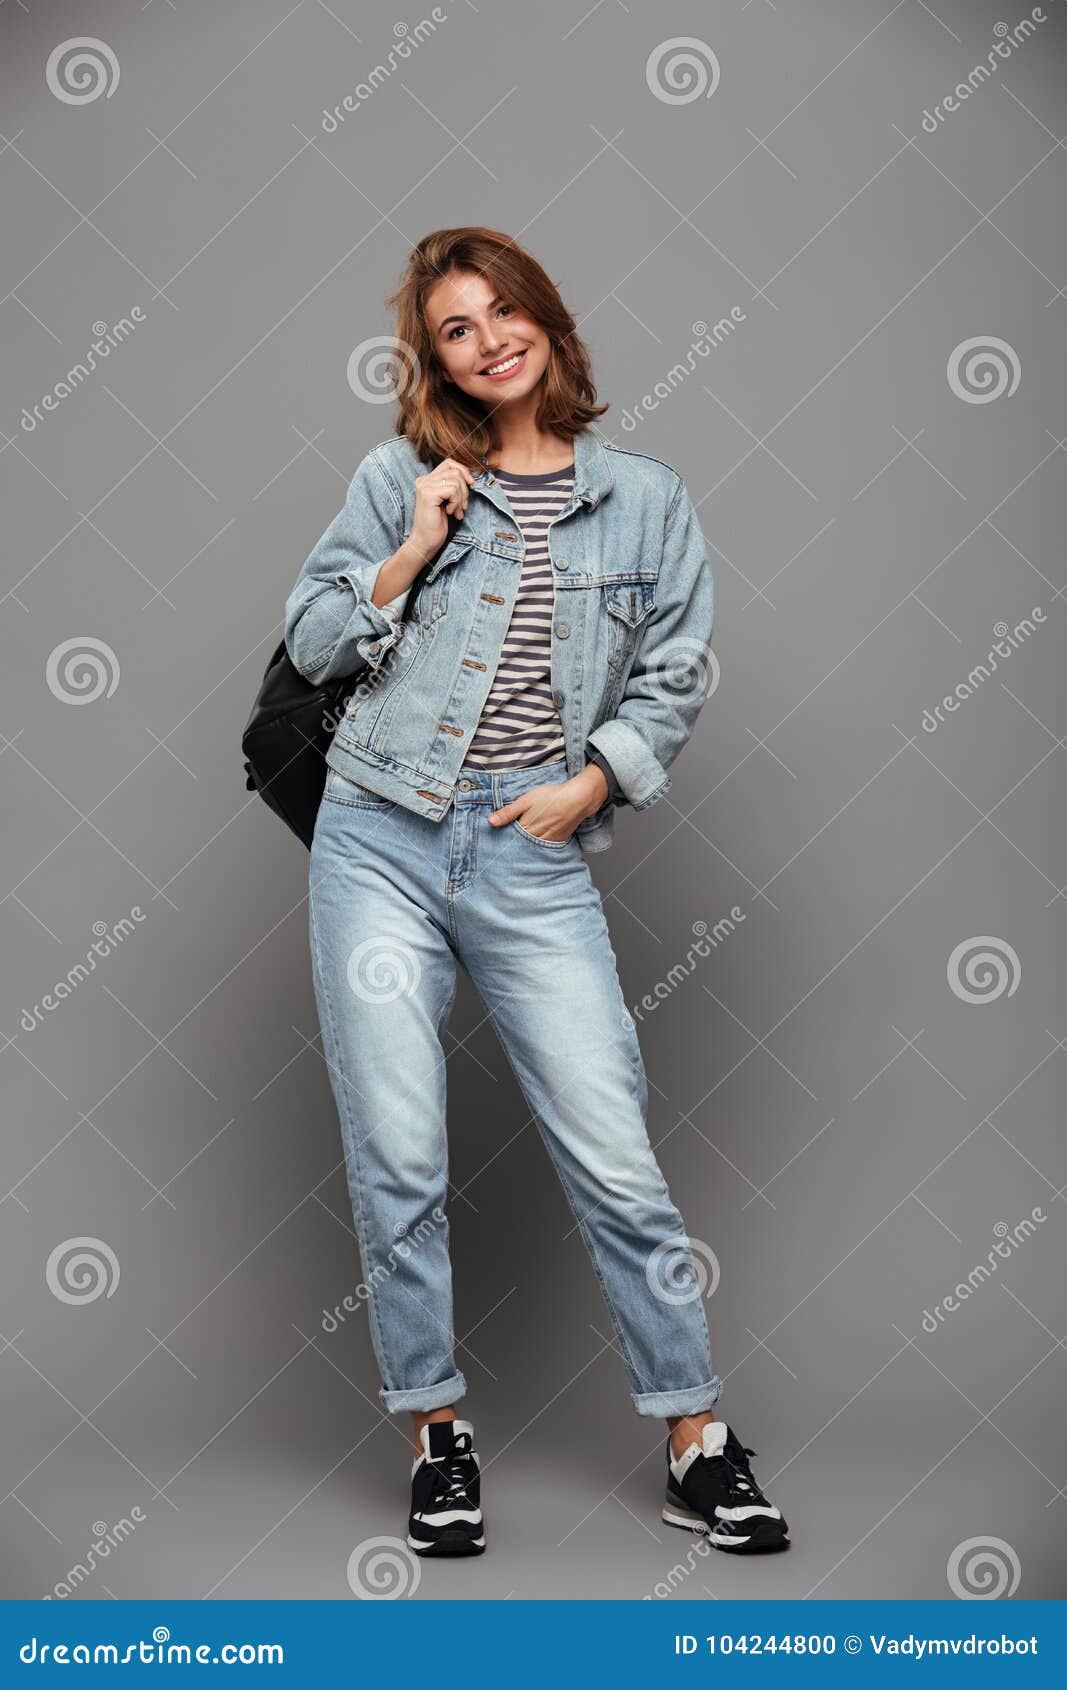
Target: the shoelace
(451, 1481)
(746, 1479)
(741, 1489)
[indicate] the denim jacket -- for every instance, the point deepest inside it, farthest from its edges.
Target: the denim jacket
(634, 608)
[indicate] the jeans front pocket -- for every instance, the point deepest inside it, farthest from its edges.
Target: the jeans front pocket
(545, 844)
(340, 790)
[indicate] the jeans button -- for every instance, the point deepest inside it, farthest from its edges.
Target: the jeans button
(464, 786)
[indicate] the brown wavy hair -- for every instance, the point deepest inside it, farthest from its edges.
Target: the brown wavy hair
(439, 419)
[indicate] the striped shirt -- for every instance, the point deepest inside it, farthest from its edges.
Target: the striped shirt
(520, 727)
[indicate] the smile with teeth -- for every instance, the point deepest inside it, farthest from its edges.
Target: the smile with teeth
(507, 367)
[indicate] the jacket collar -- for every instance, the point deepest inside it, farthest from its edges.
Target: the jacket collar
(593, 477)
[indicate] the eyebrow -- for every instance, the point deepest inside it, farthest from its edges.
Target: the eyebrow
(499, 300)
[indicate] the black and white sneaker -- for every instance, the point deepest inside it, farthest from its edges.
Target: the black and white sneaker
(711, 1489)
(446, 1514)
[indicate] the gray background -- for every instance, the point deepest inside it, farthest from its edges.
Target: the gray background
(835, 1122)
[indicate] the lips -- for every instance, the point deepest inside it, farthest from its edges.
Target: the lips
(514, 365)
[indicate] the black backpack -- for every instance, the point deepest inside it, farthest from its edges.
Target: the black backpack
(292, 725)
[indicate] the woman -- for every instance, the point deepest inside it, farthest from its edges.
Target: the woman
(549, 669)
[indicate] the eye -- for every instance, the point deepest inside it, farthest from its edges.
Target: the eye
(459, 327)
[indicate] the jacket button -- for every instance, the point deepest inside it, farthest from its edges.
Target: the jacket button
(562, 630)
(557, 699)
(561, 563)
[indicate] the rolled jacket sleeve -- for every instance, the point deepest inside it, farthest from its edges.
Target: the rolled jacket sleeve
(331, 627)
(667, 686)
(615, 792)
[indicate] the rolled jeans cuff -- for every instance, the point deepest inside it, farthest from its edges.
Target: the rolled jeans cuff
(426, 1397)
(696, 1400)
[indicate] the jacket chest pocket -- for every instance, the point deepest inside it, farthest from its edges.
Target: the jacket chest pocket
(431, 601)
(629, 605)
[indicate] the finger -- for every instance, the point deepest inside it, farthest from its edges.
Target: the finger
(507, 813)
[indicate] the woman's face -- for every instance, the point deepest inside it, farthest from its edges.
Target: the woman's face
(474, 333)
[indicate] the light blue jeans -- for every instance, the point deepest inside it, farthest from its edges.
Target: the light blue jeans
(395, 899)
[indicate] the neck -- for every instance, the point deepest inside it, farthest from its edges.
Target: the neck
(530, 451)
